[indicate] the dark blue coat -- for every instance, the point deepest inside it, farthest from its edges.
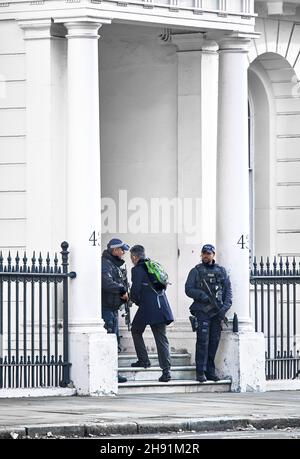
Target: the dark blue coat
(154, 307)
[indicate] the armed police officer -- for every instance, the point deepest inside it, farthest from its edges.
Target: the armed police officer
(209, 286)
(114, 287)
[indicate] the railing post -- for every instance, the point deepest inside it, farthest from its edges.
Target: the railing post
(281, 330)
(66, 370)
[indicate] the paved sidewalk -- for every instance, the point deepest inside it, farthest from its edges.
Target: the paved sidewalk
(129, 415)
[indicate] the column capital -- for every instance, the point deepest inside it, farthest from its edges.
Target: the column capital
(236, 42)
(83, 27)
(194, 42)
(36, 28)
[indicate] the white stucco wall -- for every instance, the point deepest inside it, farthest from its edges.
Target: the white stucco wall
(138, 105)
(12, 137)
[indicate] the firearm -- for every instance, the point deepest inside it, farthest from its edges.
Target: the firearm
(127, 304)
(214, 301)
(126, 313)
(194, 323)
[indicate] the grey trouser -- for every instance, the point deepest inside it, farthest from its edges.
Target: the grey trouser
(161, 340)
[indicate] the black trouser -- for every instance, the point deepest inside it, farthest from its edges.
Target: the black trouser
(208, 337)
(160, 335)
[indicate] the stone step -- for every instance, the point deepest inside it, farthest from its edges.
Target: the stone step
(153, 373)
(125, 359)
(183, 386)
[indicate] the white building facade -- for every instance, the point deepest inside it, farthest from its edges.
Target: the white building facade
(182, 106)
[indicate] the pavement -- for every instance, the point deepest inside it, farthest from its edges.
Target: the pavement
(147, 414)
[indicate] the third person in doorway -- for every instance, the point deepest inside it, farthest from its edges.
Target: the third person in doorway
(209, 286)
(153, 310)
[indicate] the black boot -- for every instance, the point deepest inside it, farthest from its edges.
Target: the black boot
(165, 377)
(139, 364)
(121, 379)
(212, 377)
(201, 377)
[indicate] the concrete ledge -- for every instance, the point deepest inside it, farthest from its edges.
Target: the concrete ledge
(111, 428)
(151, 426)
(283, 384)
(221, 424)
(66, 430)
(37, 392)
(12, 432)
(162, 426)
(157, 368)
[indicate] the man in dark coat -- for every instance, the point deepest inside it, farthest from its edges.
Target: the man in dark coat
(114, 286)
(207, 279)
(154, 310)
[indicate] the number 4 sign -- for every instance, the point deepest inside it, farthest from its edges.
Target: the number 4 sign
(243, 241)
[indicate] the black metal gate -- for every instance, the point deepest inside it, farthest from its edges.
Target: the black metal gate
(275, 304)
(34, 349)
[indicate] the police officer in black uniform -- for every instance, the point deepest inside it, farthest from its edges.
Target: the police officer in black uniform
(114, 287)
(209, 286)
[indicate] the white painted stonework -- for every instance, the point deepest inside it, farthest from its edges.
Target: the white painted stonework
(241, 357)
(37, 392)
(94, 361)
(93, 102)
(283, 384)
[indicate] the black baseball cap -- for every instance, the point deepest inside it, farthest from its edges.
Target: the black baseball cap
(116, 244)
(209, 248)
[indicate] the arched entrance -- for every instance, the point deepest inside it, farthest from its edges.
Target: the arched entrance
(274, 122)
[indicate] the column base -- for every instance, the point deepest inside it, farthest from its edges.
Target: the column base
(241, 357)
(94, 359)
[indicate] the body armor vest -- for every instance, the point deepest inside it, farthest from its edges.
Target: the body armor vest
(214, 278)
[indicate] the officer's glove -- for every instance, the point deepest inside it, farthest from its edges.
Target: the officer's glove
(222, 312)
(204, 298)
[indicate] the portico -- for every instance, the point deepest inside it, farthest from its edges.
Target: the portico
(171, 120)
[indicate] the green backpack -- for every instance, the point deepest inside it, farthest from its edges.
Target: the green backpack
(157, 273)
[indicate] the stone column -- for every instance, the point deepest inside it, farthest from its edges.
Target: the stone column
(45, 136)
(246, 348)
(197, 144)
(93, 351)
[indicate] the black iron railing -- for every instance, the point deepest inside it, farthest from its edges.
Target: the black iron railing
(275, 302)
(34, 350)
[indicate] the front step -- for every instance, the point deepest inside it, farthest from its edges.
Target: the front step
(182, 386)
(153, 373)
(177, 359)
(145, 380)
